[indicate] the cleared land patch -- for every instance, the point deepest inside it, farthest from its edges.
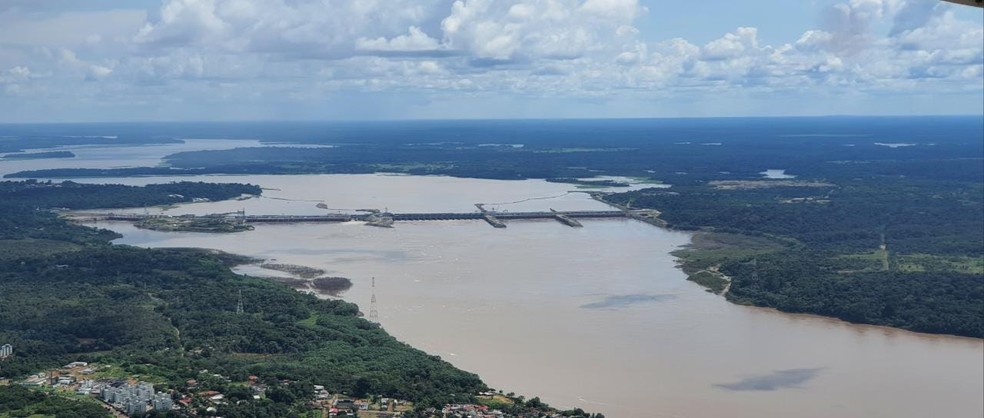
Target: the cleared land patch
(764, 184)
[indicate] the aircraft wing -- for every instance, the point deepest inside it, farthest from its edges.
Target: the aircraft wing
(978, 3)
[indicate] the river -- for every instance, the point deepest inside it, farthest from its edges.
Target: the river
(597, 317)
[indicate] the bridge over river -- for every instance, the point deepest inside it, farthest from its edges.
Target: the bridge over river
(386, 219)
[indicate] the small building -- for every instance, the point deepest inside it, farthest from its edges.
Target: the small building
(208, 393)
(162, 402)
(346, 404)
(6, 350)
(135, 407)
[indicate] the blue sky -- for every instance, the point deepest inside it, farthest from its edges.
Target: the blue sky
(101, 60)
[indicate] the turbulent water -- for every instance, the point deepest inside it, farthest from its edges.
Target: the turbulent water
(597, 317)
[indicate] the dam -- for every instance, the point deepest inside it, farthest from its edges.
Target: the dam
(494, 218)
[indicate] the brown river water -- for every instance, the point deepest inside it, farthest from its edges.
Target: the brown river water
(597, 317)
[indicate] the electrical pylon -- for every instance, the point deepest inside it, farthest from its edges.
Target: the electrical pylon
(373, 311)
(239, 305)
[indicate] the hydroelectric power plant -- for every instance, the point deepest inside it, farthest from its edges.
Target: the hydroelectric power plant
(494, 218)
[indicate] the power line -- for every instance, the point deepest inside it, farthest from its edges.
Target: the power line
(373, 311)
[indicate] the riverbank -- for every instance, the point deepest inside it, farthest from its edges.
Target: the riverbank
(164, 314)
(792, 265)
(591, 290)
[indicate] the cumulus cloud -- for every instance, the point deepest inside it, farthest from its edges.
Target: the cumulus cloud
(309, 28)
(732, 45)
(18, 73)
(850, 24)
(914, 14)
(592, 50)
(553, 29)
(414, 41)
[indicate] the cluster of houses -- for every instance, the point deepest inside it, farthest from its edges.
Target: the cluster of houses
(131, 398)
(470, 411)
(210, 400)
(136, 398)
(72, 374)
(343, 406)
(485, 411)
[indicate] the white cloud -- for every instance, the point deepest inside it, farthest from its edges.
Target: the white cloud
(99, 71)
(18, 73)
(530, 30)
(305, 51)
(414, 41)
(69, 29)
(732, 45)
(308, 28)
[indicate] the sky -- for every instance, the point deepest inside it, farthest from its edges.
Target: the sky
(237, 60)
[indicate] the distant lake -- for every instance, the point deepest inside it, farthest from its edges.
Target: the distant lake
(776, 174)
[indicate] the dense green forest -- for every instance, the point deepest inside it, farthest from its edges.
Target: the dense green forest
(907, 253)
(23, 137)
(24, 206)
(72, 195)
(39, 155)
(684, 151)
(173, 311)
(17, 401)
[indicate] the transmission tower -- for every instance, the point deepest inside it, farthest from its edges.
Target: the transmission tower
(373, 312)
(239, 305)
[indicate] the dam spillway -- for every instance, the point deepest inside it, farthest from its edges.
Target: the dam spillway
(493, 218)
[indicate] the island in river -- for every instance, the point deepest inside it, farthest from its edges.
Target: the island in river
(215, 224)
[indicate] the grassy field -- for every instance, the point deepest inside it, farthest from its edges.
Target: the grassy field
(711, 249)
(862, 262)
(309, 322)
(908, 263)
(708, 251)
(928, 262)
(714, 282)
(495, 401)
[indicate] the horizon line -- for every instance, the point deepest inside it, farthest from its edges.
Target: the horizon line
(328, 121)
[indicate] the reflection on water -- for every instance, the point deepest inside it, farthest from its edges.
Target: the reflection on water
(782, 379)
(596, 317)
(625, 301)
